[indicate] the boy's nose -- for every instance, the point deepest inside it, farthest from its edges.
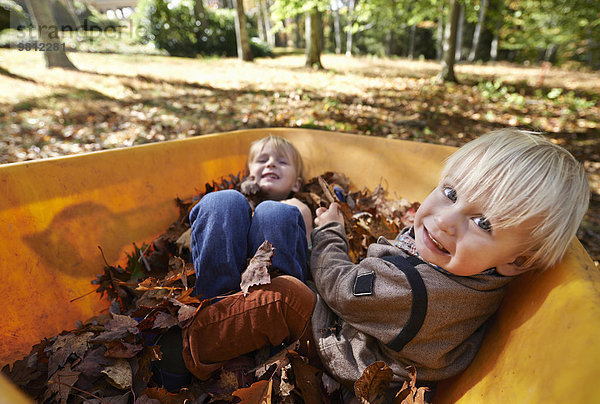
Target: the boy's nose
(446, 221)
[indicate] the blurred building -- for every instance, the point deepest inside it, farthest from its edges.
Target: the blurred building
(104, 5)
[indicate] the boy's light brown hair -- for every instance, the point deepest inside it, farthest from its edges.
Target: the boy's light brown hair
(515, 176)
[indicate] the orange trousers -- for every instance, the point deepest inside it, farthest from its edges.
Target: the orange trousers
(270, 314)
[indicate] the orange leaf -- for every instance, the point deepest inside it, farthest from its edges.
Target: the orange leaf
(372, 385)
(257, 393)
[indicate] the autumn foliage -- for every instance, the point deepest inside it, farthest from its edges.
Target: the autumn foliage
(108, 358)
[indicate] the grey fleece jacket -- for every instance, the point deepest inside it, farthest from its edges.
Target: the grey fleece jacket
(351, 331)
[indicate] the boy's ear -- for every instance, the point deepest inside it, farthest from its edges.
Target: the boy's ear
(297, 185)
(514, 268)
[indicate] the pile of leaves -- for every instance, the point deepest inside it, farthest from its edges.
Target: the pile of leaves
(109, 358)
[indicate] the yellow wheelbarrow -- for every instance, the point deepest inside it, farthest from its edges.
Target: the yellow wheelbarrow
(543, 345)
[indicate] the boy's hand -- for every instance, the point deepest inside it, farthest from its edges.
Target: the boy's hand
(333, 214)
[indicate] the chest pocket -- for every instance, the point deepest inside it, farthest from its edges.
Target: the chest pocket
(419, 300)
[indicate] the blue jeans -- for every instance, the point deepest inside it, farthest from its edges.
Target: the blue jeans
(225, 234)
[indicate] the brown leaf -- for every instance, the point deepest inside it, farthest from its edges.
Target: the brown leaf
(257, 272)
(410, 393)
(185, 314)
(121, 349)
(258, 393)
(164, 320)
(371, 387)
(120, 374)
(121, 323)
(64, 346)
(307, 379)
(59, 385)
(185, 240)
(94, 362)
(162, 396)
(185, 311)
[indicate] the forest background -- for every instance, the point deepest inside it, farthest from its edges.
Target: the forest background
(79, 76)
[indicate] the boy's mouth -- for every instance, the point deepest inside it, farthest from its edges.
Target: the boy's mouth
(436, 243)
(271, 175)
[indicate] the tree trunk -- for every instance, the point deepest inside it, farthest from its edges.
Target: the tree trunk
(478, 28)
(439, 49)
(448, 59)
(495, 41)
(200, 14)
(71, 10)
(550, 53)
(411, 42)
(260, 22)
(264, 4)
(54, 53)
(351, 5)
(459, 32)
(241, 33)
(313, 38)
(297, 36)
(389, 42)
(337, 31)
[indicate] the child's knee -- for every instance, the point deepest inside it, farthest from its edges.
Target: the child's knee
(228, 199)
(295, 294)
(272, 211)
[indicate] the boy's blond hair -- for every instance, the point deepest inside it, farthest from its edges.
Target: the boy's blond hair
(514, 176)
(282, 146)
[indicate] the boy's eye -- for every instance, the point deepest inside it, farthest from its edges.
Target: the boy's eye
(483, 223)
(450, 193)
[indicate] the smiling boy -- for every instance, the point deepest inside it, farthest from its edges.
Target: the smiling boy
(225, 231)
(507, 202)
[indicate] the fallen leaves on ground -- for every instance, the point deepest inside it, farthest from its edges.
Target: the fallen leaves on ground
(61, 113)
(109, 358)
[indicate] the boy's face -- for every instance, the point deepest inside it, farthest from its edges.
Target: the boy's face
(275, 174)
(451, 233)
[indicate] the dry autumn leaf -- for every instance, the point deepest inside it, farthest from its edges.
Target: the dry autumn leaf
(257, 272)
(120, 374)
(372, 386)
(60, 384)
(257, 393)
(410, 393)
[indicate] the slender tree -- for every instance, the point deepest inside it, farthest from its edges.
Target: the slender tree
(241, 33)
(266, 17)
(200, 14)
(336, 29)
(449, 47)
(54, 53)
(439, 49)
(350, 26)
(459, 32)
(314, 24)
(313, 27)
(478, 29)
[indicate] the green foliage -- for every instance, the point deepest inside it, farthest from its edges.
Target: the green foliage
(169, 26)
(533, 26)
(175, 29)
(282, 9)
(10, 10)
(496, 91)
